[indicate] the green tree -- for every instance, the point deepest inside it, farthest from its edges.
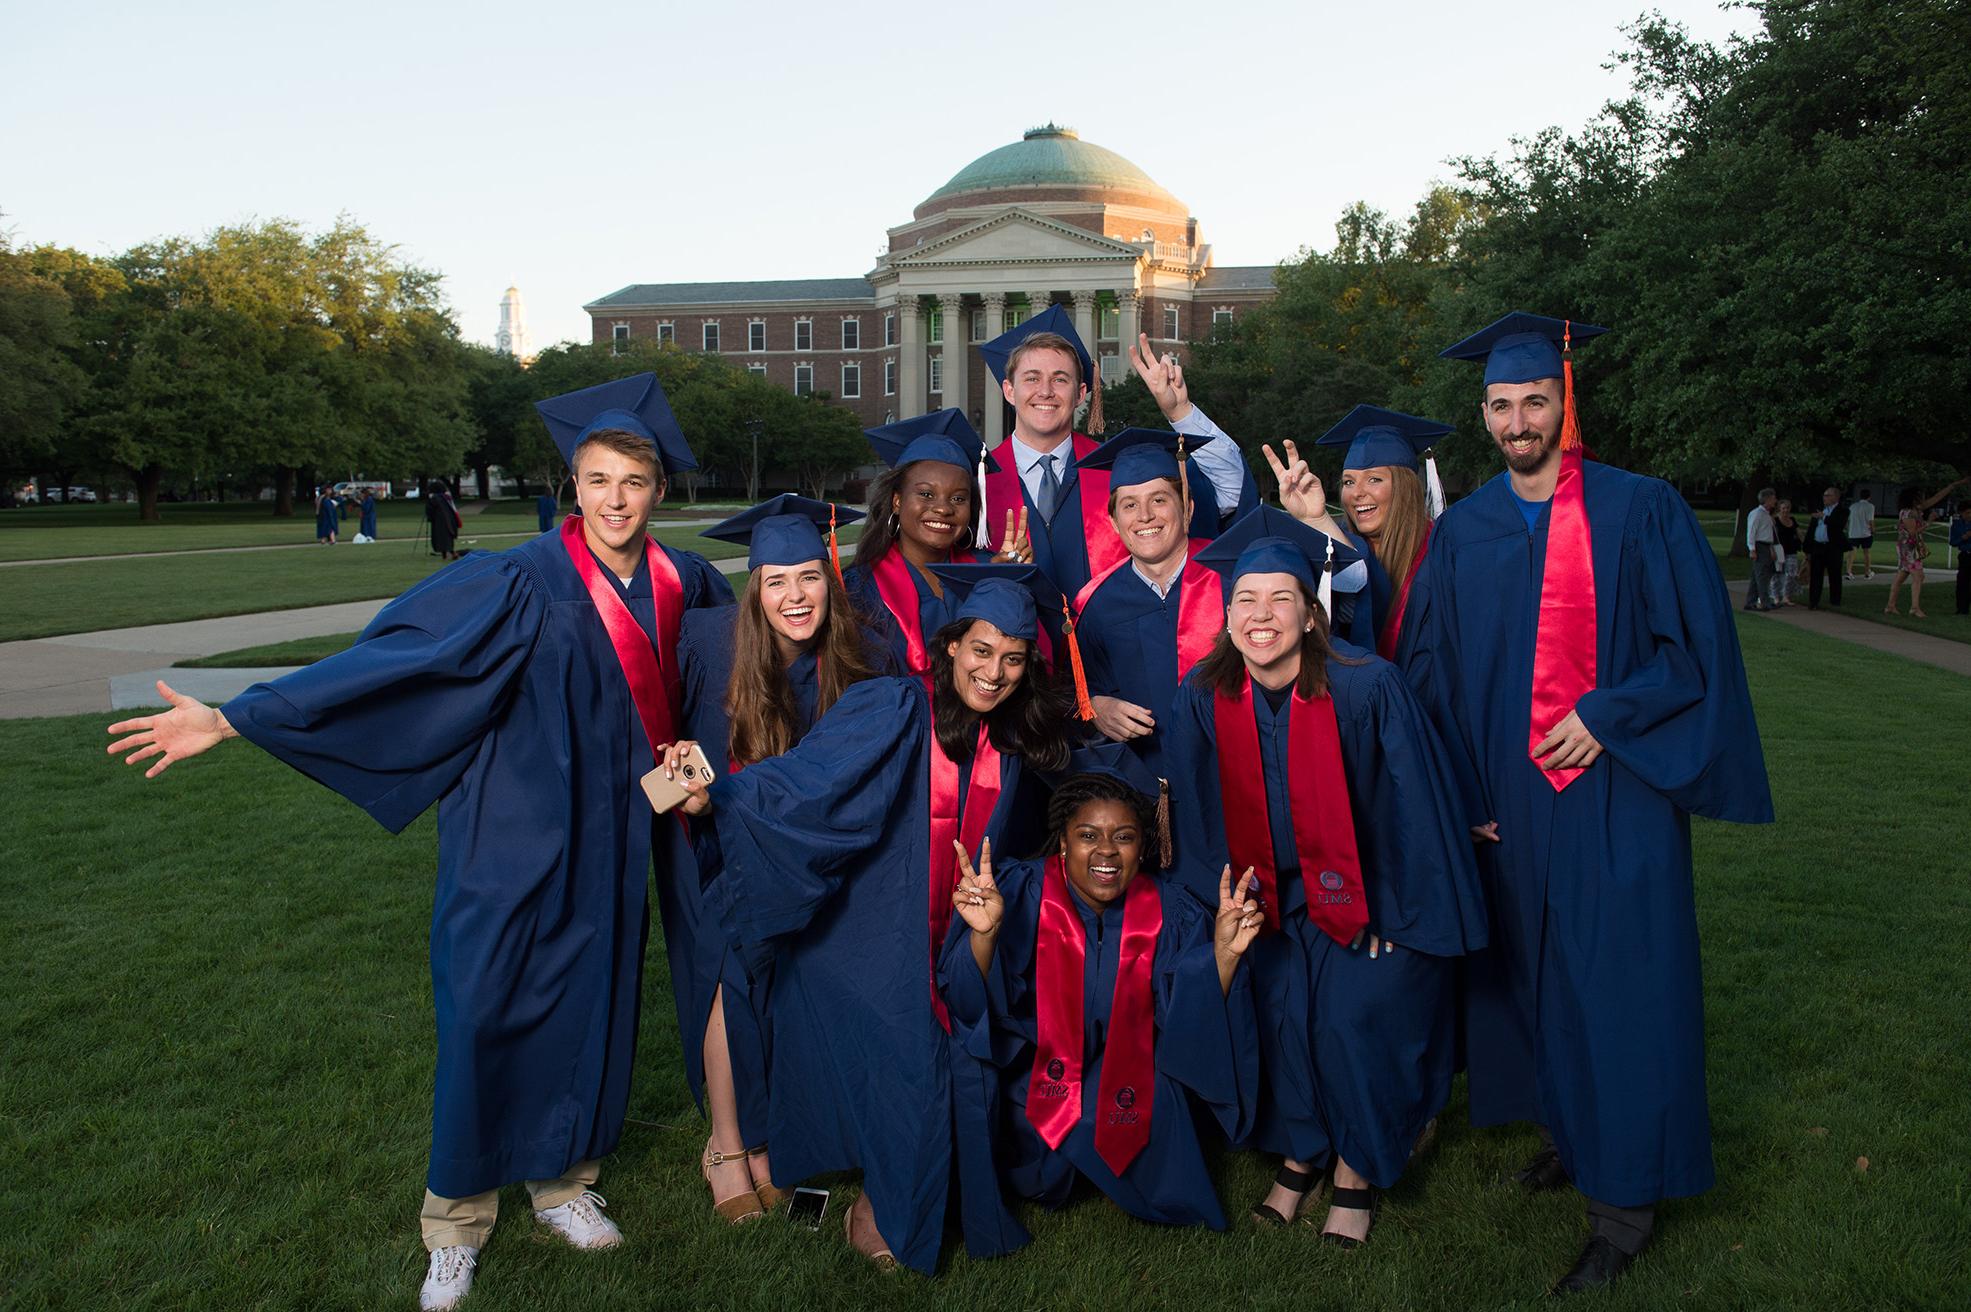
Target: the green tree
(40, 382)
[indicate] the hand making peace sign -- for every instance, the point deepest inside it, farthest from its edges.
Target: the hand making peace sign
(976, 899)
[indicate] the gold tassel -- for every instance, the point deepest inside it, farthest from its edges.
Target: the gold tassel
(1082, 705)
(1163, 824)
(1095, 404)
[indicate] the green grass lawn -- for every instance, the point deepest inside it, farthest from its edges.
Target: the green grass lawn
(218, 1062)
(300, 651)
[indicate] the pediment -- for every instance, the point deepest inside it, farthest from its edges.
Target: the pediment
(1015, 236)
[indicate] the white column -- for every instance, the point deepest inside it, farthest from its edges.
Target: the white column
(957, 345)
(1084, 326)
(910, 357)
(1037, 302)
(995, 402)
(1128, 300)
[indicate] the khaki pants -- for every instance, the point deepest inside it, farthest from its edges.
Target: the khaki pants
(469, 1221)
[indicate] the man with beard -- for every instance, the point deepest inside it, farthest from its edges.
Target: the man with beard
(1571, 635)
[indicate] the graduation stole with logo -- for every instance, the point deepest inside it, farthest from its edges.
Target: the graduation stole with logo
(650, 671)
(1103, 544)
(1392, 628)
(1317, 797)
(891, 575)
(980, 798)
(1126, 1094)
(1200, 605)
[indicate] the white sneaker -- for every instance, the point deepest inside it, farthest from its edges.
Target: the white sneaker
(580, 1221)
(450, 1278)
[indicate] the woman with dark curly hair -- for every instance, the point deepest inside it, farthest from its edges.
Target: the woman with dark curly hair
(839, 859)
(1107, 999)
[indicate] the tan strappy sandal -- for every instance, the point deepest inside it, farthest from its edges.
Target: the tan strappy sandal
(740, 1207)
(883, 1259)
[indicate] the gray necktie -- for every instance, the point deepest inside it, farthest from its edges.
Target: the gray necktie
(1050, 490)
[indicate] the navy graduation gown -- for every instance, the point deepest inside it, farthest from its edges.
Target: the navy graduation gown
(327, 516)
(1356, 1055)
(491, 688)
(1206, 1049)
(1586, 1014)
(1060, 549)
(368, 525)
(826, 853)
(1128, 640)
(933, 611)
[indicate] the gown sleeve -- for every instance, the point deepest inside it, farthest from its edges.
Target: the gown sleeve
(990, 1016)
(1681, 720)
(700, 579)
(1207, 1039)
(1197, 817)
(1427, 653)
(394, 721)
(791, 828)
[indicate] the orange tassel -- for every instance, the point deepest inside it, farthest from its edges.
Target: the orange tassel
(1163, 824)
(1570, 421)
(1083, 707)
(1095, 424)
(835, 547)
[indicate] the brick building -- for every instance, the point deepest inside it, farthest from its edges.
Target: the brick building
(1048, 218)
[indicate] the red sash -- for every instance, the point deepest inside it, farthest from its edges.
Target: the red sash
(1200, 606)
(1126, 1095)
(1392, 628)
(980, 798)
(891, 575)
(1104, 545)
(1564, 643)
(1317, 795)
(650, 671)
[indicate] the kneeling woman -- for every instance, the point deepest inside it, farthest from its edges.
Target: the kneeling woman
(1319, 771)
(838, 858)
(1111, 998)
(756, 676)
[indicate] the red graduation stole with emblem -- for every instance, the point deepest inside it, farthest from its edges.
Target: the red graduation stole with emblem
(980, 798)
(1104, 545)
(1200, 605)
(1564, 643)
(1317, 795)
(891, 575)
(650, 671)
(1126, 1094)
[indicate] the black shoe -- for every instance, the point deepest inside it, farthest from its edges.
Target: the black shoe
(1543, 1173)
(1305, 1183)
(1598, 1266)
(1362, 1200)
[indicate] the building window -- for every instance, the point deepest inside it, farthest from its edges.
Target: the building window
(756, 335)
(711, 335)
(619, 336)
(1108, 323)
(851, 381)
(1015, 316)
(889, 378)
(851, 334)
(803, 379)
(936, 334)
(1222, 314)
(978, 325)
(804, 334)
(758, 371)
(937, 374)
(1170, 331)
(667, 332)
(1110, 368)
(890, 328)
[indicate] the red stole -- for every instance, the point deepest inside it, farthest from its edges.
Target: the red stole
(1126, 1095)
(1004, 490)
(650, 671)
(1392, 628)
(1200, 605)
(894, 585)
(980, 798)
(1564, 643)
(1317, 795)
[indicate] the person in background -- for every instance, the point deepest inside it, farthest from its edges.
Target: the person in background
(1826, 541)
(328, 515)
(1861, 534)
(368, 526)
(1960, 542)
(444, 519)
(1763, 545)
(1786, 536)
(547, 505)
(1913, 548)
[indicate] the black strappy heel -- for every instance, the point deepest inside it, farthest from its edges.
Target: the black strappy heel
(1305, 1183)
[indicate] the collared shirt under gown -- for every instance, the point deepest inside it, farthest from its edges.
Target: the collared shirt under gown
(826, 856)
(1206, 1048)
(492, 689)
(1356, 1055)
(1586, 1014)
(1128, 638)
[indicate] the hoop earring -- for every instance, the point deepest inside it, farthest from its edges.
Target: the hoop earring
(896, 525)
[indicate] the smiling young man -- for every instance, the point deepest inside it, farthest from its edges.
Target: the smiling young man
(1045, 374)
(522, 692)
(1571, 635)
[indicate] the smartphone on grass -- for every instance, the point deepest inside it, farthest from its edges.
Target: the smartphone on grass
(808, 1207)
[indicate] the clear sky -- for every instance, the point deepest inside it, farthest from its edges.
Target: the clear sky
(575, 148)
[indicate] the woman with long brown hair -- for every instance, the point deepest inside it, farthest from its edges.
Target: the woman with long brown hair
(924, 511)
(755, 678)
(1317, 773)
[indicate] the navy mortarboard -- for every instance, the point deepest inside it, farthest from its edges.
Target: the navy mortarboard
(1376, 437)
(1268, 540)
(1137, 455)
(633, 405)
(787, 530)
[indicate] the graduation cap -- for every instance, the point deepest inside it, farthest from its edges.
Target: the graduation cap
(1054, 319)
(945, 436)
(1122, 763)
(1267, 540)
(1524, 348)
(1375, 436)
(786, 530)
(635, 405)
(1009, 598)
(1137, 455)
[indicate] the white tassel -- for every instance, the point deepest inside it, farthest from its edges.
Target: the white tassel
(979, 538)
(1433, 486)
(1325, 592)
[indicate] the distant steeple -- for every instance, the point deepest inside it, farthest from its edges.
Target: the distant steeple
(512, 336)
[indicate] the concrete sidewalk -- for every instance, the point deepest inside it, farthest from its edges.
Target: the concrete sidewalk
(1940, 652)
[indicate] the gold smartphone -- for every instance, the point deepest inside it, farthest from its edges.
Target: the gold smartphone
(665, 792)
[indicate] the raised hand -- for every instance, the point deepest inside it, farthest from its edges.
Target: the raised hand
(976, 899)
(1120, 721)
(1301, 493)
(1239, 921)
(188, 728)
(1015, 546)
(1163, 376)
